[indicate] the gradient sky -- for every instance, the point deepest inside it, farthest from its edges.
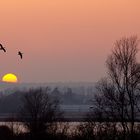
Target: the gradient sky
(63, 40)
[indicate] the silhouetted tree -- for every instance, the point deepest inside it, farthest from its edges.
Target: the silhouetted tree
(39, 111)
(118, 95)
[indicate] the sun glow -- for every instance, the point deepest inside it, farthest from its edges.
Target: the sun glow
(10, 78)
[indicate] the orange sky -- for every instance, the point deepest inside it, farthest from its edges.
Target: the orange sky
(63, 40)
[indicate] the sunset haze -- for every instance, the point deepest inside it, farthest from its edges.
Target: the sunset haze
(63, 40)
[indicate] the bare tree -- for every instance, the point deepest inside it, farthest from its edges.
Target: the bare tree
(39, 110)
(118, 94)
(108, 105)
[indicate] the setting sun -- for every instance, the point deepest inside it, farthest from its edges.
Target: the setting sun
(12, 78)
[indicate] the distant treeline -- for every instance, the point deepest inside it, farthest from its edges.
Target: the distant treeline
(10, 101)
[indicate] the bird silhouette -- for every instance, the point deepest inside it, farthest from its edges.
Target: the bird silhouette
(20, 54)
(2, 48)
